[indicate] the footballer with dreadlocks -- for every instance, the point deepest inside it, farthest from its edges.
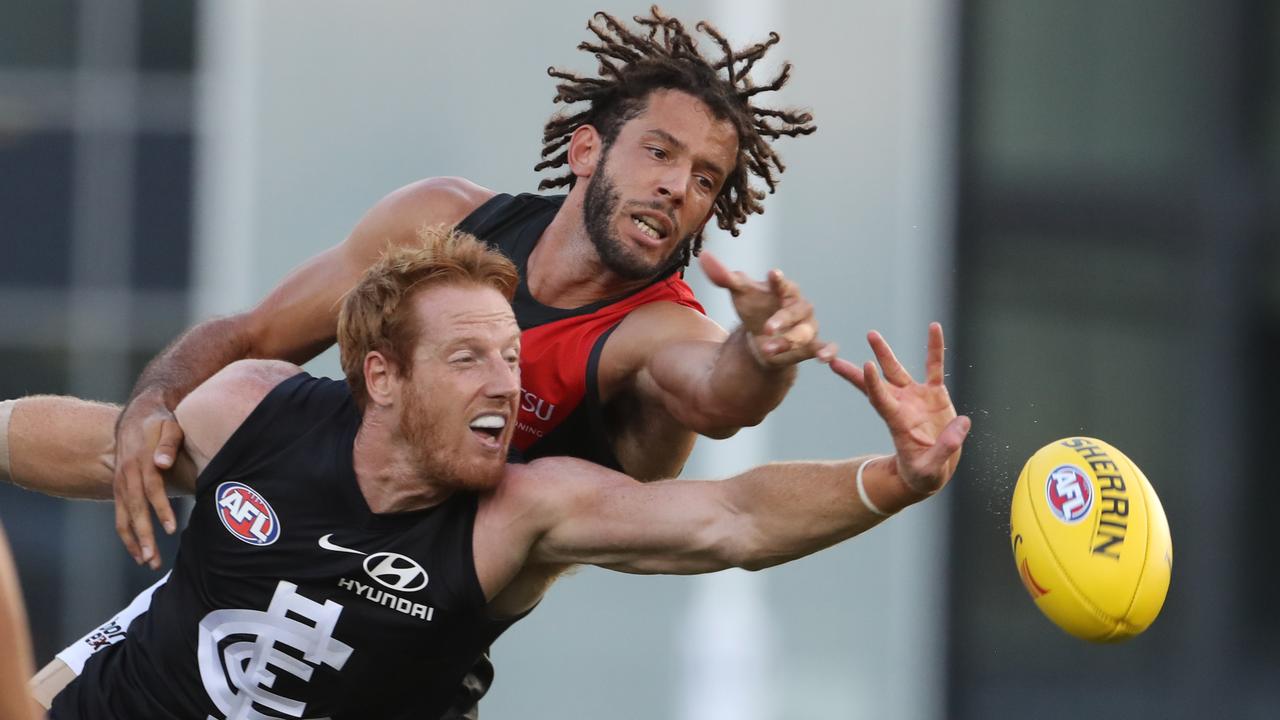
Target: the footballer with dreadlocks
(619, 364)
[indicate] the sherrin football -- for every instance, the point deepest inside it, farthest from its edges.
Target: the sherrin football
(1090, 540)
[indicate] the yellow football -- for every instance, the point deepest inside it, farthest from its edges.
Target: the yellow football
(1090, 540)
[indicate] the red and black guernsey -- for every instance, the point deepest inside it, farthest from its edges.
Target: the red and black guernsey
(560, 411)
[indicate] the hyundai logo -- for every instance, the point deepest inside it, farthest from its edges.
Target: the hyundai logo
(396, 571)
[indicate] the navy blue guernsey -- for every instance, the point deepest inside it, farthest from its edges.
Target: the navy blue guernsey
(293, 457)
(290, 598)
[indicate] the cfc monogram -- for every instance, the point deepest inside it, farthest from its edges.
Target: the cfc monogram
(239, 673)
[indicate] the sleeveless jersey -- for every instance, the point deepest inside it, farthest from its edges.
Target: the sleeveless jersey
(290, 597)
(560, 412)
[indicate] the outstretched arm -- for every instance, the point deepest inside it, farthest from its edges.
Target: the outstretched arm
(58, 445)
(715, 385)
(296, 321)
(768, 515)
(64, 446)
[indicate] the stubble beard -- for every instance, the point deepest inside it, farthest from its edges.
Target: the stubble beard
(599, 207)
(435, 455)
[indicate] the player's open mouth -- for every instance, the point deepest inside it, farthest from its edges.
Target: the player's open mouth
(488, 429)
(652, 226)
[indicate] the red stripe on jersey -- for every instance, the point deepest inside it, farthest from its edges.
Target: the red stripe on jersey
(553, 358)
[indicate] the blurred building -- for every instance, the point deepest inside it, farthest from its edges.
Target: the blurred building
(1085, 192)
(96, 196)
(1119, 254)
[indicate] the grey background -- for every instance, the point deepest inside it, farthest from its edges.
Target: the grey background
(1083, 191)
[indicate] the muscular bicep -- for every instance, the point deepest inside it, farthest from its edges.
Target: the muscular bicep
(212, 412)
(298, 318)
(663, 355)
(604, 518)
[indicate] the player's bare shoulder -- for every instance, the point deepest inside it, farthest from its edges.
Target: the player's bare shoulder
(439, 200)
(436, 201)
(397, 217)
(212, 412)
(237, 388)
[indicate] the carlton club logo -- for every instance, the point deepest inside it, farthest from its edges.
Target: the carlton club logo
(1070, 493)
(247, 514)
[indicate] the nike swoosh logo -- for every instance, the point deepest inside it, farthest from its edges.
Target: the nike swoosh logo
(327, 545)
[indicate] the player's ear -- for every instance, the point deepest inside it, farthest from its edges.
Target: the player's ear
(586, 148)
(380, 379)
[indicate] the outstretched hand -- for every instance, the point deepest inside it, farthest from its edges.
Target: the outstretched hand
(927, 433)
(777, 318)
(148, 438)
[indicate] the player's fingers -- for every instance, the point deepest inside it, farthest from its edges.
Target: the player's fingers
(936, 356)
(782, 287)
(798, 312)
(949, 441)
(827, 352)
(165, 455)
(877, 391)
(135, 501)
(804, 335)
(849, 371)
(170, 440)
(123, 528)
(159, 500)
(795, 347)
(894, 372)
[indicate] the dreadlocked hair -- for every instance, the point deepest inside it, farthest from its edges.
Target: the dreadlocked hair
(662, 55)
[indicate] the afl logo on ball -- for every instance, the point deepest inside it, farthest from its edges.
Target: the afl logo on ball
(1070, 493)
(247, 514)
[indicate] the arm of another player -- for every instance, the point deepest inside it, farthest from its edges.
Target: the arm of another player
(716, 385)
(296, 321)
(16, 661)
(65, 447)
(767, 515)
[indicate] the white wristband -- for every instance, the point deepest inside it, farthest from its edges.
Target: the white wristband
(6, 409)
(862, 490)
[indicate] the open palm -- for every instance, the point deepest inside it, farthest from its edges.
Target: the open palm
(927, 434)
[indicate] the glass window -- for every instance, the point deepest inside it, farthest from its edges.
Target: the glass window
(162, 212)
(41, 34)
(1064, 90)
(35, 203)
(167, 31)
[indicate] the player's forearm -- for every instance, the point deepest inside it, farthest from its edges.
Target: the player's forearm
(739, 391)
(785, 511)
(193, 358)
(60, 446)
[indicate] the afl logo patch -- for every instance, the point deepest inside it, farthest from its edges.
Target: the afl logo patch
(247, 514)
(1070, 493)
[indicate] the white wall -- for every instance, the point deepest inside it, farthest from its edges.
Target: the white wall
(311, 111)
